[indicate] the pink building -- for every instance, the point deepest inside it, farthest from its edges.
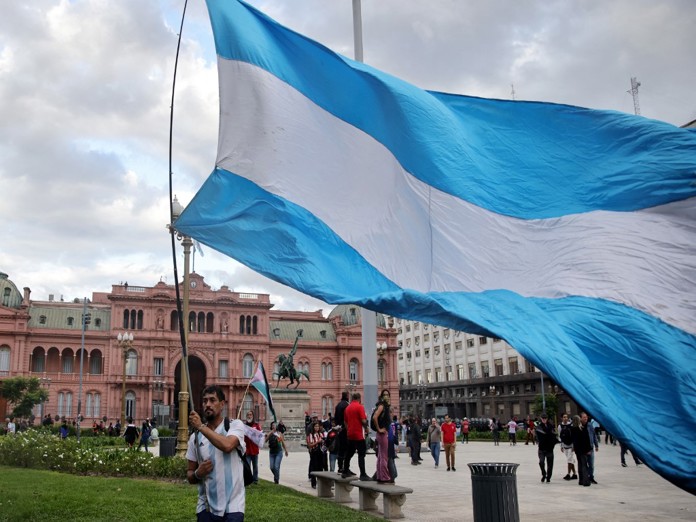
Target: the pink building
(229, 333)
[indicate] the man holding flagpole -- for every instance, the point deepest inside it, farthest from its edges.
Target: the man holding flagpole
(252, 448)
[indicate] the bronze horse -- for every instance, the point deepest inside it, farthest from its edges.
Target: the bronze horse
(287, 369)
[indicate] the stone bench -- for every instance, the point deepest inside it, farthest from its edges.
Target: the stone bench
(393, 497)
(332, 485)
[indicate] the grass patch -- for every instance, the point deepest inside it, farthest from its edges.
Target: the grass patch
(30, 494)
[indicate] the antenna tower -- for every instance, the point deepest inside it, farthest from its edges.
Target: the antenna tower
(634, 92)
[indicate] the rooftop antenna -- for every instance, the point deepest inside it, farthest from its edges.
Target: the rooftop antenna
(634, 92)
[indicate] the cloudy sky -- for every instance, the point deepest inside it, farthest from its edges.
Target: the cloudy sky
(86, 89)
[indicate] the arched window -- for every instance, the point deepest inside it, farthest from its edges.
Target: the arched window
(95, 362)
(248, 325)
(133, 317)
(42, 319)
(255, 325)
(71, 321)
(201, 322)
(130, 405)
(242, 321)
(329, 372)
(93, 406)
(126, 318)
(174, 321)
(247, 366)
(209, 320)
(38, 359)
(353, 370)
(247, 405)
(68, 357)
(327, 405)
(4, 359)
(192, 322)
(140, 320)
(132, 363)
(323, 371)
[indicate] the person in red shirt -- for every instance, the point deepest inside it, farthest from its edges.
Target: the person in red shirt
(252, 450)
(449, 441)
(355, 419)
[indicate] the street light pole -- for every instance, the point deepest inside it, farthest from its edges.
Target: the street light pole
(125, 343)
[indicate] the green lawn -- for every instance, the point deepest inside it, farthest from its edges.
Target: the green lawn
(29, 494)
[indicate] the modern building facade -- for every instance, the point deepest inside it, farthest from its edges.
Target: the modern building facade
(229, 333)
(444, 371)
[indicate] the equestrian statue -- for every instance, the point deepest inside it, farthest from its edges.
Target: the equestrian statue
(286, 367)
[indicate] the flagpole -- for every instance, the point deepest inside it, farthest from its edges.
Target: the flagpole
(368, 317)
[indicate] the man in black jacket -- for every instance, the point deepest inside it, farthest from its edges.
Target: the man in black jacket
(547, 440)
(342, 440)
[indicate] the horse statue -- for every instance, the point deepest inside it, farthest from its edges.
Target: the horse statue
(287, 368)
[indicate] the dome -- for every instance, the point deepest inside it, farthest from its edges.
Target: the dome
(350, 314)
(9, 295)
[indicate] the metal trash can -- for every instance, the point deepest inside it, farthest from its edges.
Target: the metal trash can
(494, 491)
(167, 446)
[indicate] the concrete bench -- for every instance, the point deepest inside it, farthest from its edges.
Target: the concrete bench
(393, 497)
(326, 480)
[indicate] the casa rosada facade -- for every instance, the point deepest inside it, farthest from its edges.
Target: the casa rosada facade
(229, 333)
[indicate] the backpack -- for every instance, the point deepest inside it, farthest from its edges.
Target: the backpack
(273, 444)
(566, 435)
(248, 475)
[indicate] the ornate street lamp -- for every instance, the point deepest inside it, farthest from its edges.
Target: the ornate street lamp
(125, 343)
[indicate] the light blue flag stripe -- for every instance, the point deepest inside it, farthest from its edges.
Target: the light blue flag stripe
(445, 140)
(613, 359)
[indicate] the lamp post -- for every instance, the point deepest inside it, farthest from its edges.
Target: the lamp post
(182, 432)
(125, 343)
(421, 386)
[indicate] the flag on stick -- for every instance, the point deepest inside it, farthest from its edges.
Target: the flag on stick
(568, 232)
(260, 382)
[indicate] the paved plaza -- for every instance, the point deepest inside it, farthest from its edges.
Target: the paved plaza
(622, 494)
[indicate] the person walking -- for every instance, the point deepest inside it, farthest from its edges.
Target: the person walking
(131, 433)
(512, 431)
(414, 440)
(545, 435)
(624, 450)
(356, 429)
(465, 430)
(276, 449)
(565, 433)
(449, 441)
(252, 449)
(212, 463)
(145, 432)
(434, 439)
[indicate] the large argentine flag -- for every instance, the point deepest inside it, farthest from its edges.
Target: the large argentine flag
(570, 233)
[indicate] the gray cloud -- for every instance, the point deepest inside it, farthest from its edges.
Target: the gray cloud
(86, 90)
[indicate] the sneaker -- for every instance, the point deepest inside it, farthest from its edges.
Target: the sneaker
(623, 464)
(548, 480)
(573, 477)
(448, 468)
(365, 478)
(349, 473)
(454, 469)
(567, 477)
(543, 478)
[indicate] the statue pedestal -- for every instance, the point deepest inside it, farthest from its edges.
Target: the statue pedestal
(290, 407)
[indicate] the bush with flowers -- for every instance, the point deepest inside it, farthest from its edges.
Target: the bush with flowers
(41, 449)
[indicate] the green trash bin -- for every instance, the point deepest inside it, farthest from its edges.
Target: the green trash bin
(167, 446)
(494, 491)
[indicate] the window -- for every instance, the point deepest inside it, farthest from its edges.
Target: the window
(485, 370)
(95, 363)
(472, 370)
(97, 322)
(42, 319)
(222, 370)
(458, 345)
(381, 371)
(530, 367)
(322, 334)
(409, 378)
(71, 321)
(417, 353)
(401, 356)
(446, 333)
(483, 340)
(498, 367)
(93, 407)
(427, 353)
(449, 374)
(247, 366)
(65, 404)
(469, 343)
(460, 372)
(438, 375)
(353, 370)
(426, 338)
(326, 371)
(4, 360)
(512, 364)
(130, 405)
(159, 366)
(248, 405)
(496, 339)
(327, 406)
(417, 341)
(68, 361)
(174, 321)
(408, 356)
(437, 350)
(209, 322)
(416, 326)
(132, 363)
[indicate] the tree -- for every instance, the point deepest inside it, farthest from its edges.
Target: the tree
(551, 405)
(23, 394)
